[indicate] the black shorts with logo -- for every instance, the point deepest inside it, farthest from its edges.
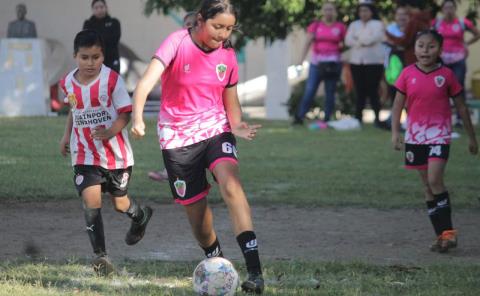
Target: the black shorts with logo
(186, 166)
(417, 156)
(114, 182)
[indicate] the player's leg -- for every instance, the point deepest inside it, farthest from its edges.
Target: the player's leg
(188, 183)
(222, 162)
(436, 170)
(200, 218)
(311, 86)
(117, 186)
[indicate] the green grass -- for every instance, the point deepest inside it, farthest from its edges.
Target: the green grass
(282, 278)
(283, 166)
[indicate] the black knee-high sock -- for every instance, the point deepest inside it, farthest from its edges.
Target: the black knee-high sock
(214, 250)
(444, 210)
(248, 243)
(93, 218)
(433, 215)
(135, 212)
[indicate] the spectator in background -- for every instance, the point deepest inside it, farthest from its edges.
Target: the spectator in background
(419, 20)
(326, 39)
(365, 36)
(110, 31)
(452, 28)
(21, 28)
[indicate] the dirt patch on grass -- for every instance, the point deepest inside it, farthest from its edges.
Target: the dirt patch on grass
(55, 230)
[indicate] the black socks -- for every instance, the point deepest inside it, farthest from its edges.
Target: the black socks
(93, 219)
(248, 243)
(214, 250)
(440, 212)
(135, 212)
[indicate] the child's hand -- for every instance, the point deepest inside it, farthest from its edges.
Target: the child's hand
(473, 147)
(243, 130)
(65, 146)
(138, 128)
(101, 133)
(397, 142)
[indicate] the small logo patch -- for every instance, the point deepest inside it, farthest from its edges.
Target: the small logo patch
(414, 80)
(186, 68)
(439, 81)
(72, 100)
(221, 70)
(103, 99)
(124, 181)
(410, 156)
(252, 244)
(79, 180)
(336, 31)
(180, 187)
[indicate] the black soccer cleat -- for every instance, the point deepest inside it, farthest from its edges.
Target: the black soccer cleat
(102, 266)
(137, 230)
(254, 284)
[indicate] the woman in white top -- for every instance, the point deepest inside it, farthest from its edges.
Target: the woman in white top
(365, 36)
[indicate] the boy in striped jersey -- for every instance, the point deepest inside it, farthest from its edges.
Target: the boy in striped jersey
(97, 140)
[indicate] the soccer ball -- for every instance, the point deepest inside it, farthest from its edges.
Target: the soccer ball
(215, 276)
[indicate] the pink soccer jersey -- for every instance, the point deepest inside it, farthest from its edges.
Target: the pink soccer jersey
(429, 119)
(327, 41)
(98, 104)
(193, 83)
(454, 48)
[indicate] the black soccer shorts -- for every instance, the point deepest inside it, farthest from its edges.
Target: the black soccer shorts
(418, 156)
(186, 166)
(114, 182)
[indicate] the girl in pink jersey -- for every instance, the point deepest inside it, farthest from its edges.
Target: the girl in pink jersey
(199, 116)
(425, 88)
(96, 137)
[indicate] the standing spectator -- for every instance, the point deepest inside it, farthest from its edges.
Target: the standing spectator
(365, 36)
(326, 36)
(110, 31)
(21, 28)
(452, 29)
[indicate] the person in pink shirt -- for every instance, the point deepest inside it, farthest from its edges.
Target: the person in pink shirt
(452, 28)
(325, 37)
(426, 88)
(199, 117)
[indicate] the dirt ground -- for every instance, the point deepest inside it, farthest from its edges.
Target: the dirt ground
(56, 230)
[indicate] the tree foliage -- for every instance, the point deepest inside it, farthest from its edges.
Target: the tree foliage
(275, 19)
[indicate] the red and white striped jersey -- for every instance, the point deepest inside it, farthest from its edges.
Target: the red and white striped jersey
(98, 104)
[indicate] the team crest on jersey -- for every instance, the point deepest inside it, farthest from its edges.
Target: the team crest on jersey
(221, 70)
(410, 156)
(124, 180)
(456, 27)
(103, 99)
(439, 80)
(72, 100)
(180, 187)
(336, 31)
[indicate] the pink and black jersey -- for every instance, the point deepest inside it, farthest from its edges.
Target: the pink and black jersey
(454, 48)
(98, 104)
(429, 119)
(327, 40)
(193, 83)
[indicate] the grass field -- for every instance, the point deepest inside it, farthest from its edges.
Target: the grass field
(283, 166)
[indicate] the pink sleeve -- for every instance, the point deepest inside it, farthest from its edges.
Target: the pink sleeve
(168, 49)
(468, 24)
(311, 28)
(454, 87)
(400, 84)
(233, 80)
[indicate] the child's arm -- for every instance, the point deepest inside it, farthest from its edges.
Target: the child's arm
(397, 109)
(462, 109)
(145, 85)
(234, 115)
(102, 133)
(65, 141)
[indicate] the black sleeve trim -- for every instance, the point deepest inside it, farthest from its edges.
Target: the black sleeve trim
(161, 61)
(457, 94)
(231, 85)
(400, 91)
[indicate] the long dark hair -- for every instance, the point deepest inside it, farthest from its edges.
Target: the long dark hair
(210, 8)
(373, 9)
(437, 36)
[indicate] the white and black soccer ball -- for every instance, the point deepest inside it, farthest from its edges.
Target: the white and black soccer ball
(215, 276)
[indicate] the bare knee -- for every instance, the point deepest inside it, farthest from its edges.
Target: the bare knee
(121, 204)
(435, 184)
